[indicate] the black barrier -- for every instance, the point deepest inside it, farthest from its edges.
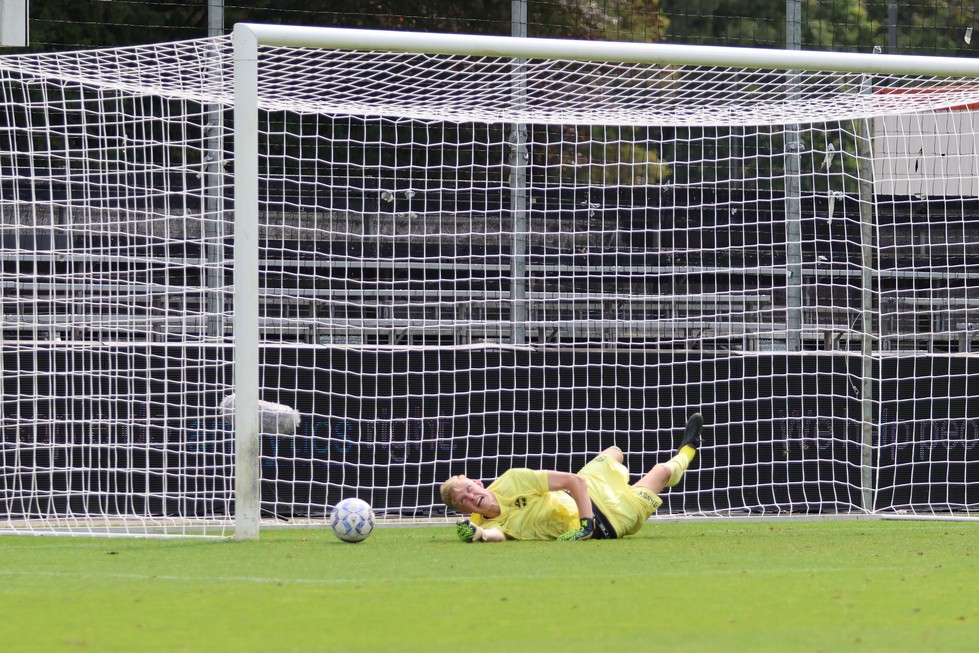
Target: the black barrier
(399, 423)
(928, 438)
(114, 430)
(138, 429)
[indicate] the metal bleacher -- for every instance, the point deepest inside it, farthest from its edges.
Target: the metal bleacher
(650, 295)
(114, 310)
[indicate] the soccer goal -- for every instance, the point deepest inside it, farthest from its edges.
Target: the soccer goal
(247, 277)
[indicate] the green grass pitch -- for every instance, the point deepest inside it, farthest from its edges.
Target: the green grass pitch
(676, 586)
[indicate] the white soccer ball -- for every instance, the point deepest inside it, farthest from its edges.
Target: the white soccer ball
(352, 520)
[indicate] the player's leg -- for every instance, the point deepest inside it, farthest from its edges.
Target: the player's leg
(608, 479)
(655, 479)
(610, 458)
(614, 453)
(668, 474)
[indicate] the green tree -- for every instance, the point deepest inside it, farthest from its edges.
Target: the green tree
(758, 23)
(933, 27)
(59, 25)
(638, 20)
(546, 18)
(839, 25)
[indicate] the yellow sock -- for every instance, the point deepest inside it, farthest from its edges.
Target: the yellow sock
(678, 464)
(687, 452)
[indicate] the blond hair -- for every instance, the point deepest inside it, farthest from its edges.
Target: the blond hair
(448, 491)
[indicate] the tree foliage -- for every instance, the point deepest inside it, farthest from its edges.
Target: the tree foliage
(923, 26)
(934, 27)
(57, 25)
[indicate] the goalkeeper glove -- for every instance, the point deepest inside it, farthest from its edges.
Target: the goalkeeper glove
(468, 532)
(583, 533)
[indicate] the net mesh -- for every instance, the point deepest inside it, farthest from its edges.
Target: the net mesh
(469, 264)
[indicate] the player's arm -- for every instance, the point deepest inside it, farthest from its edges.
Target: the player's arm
(470, 532)
(578, 489)
(491, 535)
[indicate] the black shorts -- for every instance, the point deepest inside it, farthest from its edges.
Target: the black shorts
(603, 528)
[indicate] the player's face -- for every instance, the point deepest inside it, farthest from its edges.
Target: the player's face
(474, 498)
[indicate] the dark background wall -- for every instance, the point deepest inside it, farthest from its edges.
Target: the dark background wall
(391, 426)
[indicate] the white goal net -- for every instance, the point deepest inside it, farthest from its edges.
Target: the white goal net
(462, 255)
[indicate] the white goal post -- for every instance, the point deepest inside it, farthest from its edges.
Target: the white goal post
(246, 277)
(14, 18)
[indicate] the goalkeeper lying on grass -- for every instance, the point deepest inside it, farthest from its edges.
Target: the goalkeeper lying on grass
(597, 502)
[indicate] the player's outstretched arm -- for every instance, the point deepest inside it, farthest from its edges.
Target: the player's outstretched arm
(469, 532)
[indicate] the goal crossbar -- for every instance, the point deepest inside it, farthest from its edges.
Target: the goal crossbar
(248, 36)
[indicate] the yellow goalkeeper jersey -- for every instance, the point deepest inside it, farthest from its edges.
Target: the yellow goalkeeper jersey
(529, 511)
